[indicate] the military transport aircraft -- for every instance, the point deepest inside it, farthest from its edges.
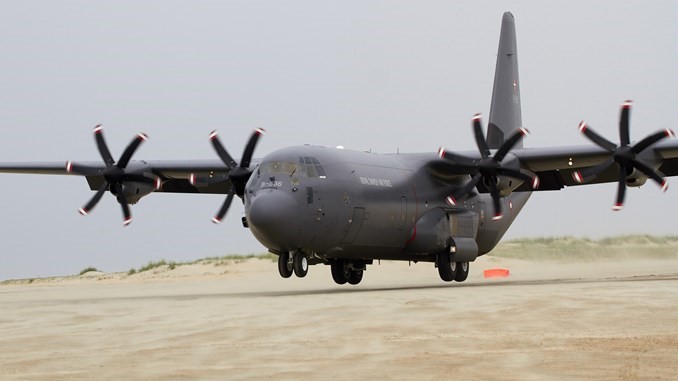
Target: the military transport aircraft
(351, 208)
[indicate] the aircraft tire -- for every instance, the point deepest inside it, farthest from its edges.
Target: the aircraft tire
(339, 273)
(462, 271)
(300, 265)
(447, 269)
(284, 267)
(355, 276)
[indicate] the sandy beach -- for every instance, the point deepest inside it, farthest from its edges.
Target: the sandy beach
(610, 320)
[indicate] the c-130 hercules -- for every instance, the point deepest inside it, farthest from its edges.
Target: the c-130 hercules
(352, 208)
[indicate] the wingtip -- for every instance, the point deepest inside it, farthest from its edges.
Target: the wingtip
(451, 200)
(216, 220)
(583, 126)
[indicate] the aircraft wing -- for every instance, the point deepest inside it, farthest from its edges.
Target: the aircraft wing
(188, 176)
(556, 166)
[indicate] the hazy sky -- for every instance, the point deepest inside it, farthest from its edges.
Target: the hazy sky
(380, 75)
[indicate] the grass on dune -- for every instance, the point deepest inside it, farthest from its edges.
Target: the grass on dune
(215, 261)
(569, 249)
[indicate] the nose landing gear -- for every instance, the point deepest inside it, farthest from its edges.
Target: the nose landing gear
(295, 263)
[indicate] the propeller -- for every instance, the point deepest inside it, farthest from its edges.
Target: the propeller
(625, 155)
(488, 168)
(238, 173)
(114, 173)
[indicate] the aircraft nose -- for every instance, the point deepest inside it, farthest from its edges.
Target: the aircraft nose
(273, 217)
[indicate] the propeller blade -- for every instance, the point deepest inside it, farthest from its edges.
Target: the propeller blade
(131, 148)
(101, 145)
(82, 170)
(589, 174)
(221, 151)
(122, 199)
(651, 173)
(494, 192)
(624, 123)
(456, 159)
(249, 149)
(94, 200)
(466, 189)
(510, 143)
(595, 138)
(480, 137)
(126, 214)
(224, 208)
(652, 139)
(621, 189)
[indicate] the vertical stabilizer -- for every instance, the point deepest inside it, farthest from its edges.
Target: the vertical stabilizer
(505, 114)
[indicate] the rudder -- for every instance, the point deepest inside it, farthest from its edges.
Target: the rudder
(505, 115)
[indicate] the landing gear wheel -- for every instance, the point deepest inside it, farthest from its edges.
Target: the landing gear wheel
(340, 271)
(300, 265)
(462, 271)
(284, 265)
(355, 276)
(447, 269)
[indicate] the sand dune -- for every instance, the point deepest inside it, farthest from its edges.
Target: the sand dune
(593, 320)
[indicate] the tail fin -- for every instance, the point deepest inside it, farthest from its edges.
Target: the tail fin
(505, 116)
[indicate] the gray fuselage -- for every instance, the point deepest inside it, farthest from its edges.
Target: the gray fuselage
(336, 203)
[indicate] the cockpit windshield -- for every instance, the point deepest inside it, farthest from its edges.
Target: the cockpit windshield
(306, 167)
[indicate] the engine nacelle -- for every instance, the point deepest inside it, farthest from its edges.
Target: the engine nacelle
(636, 178)
(134, 191)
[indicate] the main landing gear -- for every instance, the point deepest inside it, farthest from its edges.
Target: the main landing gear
(450, 270)
(344, 271)
(295, 263)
